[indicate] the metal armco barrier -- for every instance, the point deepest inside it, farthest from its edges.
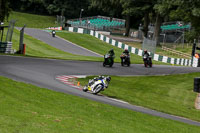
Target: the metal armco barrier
(174, 61)
(197, 84)
(6, 47)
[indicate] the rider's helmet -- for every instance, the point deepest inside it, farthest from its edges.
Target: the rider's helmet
(126, 51)
(145, 51)
(108, 79)
(101, 77)
(111, 50)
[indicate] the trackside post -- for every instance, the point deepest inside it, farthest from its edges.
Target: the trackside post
(197, 84)
(24, 49)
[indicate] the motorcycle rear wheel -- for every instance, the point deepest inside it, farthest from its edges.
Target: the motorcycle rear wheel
(104, 64)
(122, 63)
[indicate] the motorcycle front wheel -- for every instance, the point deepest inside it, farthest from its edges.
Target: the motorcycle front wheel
(122, 63)
(145, 64)
(104, 64)
(85, 89)
(97, 89)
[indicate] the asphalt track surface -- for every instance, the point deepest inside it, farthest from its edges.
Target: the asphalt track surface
(42, 72)
(59, 43)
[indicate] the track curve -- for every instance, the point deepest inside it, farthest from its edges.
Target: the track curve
(59, 43)
(42, 72)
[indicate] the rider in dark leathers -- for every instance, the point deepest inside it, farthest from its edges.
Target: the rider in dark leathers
(126, 52)
(145, 53)
(147, 60)
(111, 52)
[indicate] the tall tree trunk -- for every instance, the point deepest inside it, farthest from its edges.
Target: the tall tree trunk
(127, 25)
(4, 10)
(157, 28)
(146, 24)
(1, 11)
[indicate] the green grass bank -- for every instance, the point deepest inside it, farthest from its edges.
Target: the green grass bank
(172, 94)
(32, 20)
(27, 108)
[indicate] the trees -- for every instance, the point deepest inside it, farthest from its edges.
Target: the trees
(32, 6)
(4, 9)
(154, 11)
(141, 8)
(67, 8)
(115, 8)
(112, 7)
(189, 12)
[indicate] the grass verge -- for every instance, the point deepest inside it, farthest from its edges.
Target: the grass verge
(99, 46)
(172, 94)
(39, 21)
(37, 48)
(32, 20)
(34, 47)
(27, 108)
(186, 49)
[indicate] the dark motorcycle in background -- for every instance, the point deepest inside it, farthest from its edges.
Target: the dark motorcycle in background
(53, 33)
(147, 61)
(125, 60)
(108, 60)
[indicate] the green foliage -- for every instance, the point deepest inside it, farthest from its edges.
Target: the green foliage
(4, 9)
(32, 6)
(191, 35)
(113, 7)
(187, 11)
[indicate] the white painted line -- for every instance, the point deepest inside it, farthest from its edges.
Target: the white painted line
(71, 29)
(101, 37)
(140, 52)
(107, 39)
(91, 32)
(156, 56)
(172, 60)
(117, 100)
(164, 59)
(133, 50)
(119, 44)
(126, 46)
(113, 42)
(80, 30)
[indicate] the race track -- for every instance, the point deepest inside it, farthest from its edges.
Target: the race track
(42, 72)
(59, 43)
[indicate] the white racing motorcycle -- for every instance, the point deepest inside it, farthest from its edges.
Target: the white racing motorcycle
(97, 84)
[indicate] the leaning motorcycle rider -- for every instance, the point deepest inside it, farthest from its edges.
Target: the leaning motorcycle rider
(92, 81)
